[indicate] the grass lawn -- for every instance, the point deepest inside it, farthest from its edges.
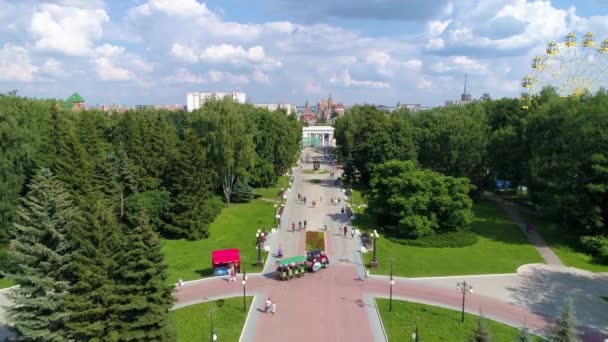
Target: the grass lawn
(435, 323)
(564, 244)
(236, 226)
(315, 240)
(501, 248)
(4, 283)
(193, 323)
(273, 192)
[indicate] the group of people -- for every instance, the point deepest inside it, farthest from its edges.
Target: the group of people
(345, 230)
(270, 306)
(293, 225)
(302, 199)
(336, 201)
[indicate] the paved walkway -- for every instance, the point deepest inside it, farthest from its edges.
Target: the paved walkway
(534, 237)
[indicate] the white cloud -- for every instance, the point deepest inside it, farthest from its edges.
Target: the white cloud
(184, 76)
(142, 65)
(107, 50)
(344, 79)
(386, 66)
(106, 71)
(424, 84)
(260, 77)
(435, 44)
(16, 64)
(182, 8)
(312, 88)
(232, 54)
(185, 53)
(462, 64)
(52, 67)
(69, 30)
(223, 76)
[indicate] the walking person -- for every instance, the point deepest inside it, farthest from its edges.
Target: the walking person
(268, 304)
(232, 274)
(352, 233)
(304, 224)
(293, 226)
(180, 282)
(299, 225)
(273, 308)
(325, 225)
(298, 197)
(345, 230)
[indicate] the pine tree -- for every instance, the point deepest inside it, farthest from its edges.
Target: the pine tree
(480, 332)
(523, 335)
(565, 326)
(242, 192)
(142, 296)
(41, 255)
(92, 267)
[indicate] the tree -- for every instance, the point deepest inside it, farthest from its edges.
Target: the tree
(480, 332)
(230, 141)
(42, 252)
(523, 335)
(565, 326)
(142, 298)
(97, 242)
(242, 192)
(412, 203)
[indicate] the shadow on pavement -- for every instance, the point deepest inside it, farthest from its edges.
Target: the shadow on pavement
(544, 291)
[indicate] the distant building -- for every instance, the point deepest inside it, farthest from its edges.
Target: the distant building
(485, 96)
(274, 106)
(197, 100)
(308, 116)
(75, 102)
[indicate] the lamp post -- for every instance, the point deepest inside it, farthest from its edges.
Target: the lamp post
(375, 236)
(415, 337)
(464, 288)
(258, 235)
(392, 282)
(244, 282)
(213, 335)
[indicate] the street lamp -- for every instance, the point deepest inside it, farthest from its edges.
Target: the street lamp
(415, 337)
(375, 236)
(392, 282)
(213, 335)
(244, 282)
(259, 235)
(464, 288)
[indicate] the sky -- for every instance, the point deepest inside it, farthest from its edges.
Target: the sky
(281, 51)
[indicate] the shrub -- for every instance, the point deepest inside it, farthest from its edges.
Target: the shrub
(596, 245)
(242, 192)
(460, 238)
(315, 240)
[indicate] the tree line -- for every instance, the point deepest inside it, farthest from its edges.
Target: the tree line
(84, 196)
(557, 150)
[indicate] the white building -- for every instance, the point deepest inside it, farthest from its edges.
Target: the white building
(196, 100)
(318, 136)
(274, 106)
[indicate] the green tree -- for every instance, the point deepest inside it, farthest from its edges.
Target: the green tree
(42, 253)
(229, 137)
(412, 203)
(242, 192)
(480, 332)
(141, 298)
(97, 242)
(565, 326)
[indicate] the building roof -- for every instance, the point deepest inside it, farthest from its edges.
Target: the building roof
(75, 98)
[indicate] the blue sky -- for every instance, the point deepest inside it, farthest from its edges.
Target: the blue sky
(362, 51)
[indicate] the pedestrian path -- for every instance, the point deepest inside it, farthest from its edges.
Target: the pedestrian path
(533, 236)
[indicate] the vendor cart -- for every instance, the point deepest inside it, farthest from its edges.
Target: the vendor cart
(223, 259)
(291, 267)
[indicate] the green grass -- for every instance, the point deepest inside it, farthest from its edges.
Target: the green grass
(315, 240)
(235, 227)
(315, 181)
(272, 193)
(4, 283)
(435, 323)
(564, 244)
(501, 248)
(193, 323)
(604, 298)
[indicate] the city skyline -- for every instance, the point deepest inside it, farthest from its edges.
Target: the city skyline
(155, 51)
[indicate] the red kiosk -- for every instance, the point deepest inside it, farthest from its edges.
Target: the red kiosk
(222, 259)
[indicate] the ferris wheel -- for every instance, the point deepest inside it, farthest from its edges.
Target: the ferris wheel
(571, 67)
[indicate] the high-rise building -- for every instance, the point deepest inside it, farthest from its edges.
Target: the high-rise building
(197, 100)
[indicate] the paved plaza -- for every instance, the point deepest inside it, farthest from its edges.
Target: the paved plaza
(334, 304)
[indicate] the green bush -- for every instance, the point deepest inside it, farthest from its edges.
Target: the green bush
(596, 245)
(460, 238)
